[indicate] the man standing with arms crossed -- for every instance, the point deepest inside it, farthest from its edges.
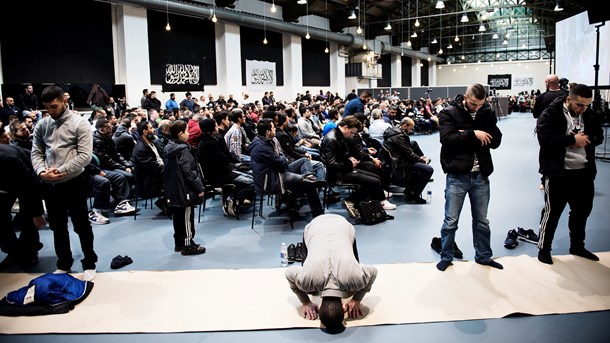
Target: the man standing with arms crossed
(62, 147)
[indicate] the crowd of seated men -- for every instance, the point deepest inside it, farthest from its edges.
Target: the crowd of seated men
(290, 148)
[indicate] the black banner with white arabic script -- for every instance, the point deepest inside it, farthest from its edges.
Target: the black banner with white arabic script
(499, 81)
(183, 74)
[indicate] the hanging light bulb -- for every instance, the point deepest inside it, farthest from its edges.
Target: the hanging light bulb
(214, 19)
(482, 28)
(364, 46)
(429, 58)
(463, 57)
(167, 27)
(265, 40)
(409, 43)
(464, 18)
(307, 36)
(302, 2)
(495, 36)
(273, 9)
(505, 42)
(359, 30)
(440, 5)
(440, 51)
(457, 39)
(326, 50)
(416, 22)
(434, 41)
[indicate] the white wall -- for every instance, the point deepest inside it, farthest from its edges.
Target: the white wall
(468, 73)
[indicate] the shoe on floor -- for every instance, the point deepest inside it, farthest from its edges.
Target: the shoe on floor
(511, 240)
(582, 252)
(300, 252)
(351, 209)
(527, 235)
(545, 257)
(388, 205)
(89, 275)
(193, 250)
(124, 207)
(436, 244)
(292, 253)
(97, 218)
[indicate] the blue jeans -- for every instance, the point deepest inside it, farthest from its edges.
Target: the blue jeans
(477, 188)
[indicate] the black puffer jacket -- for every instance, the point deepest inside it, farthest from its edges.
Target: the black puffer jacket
(398, 143)
(459, 142)
(105, 149)
(181, 175)
(551, 131)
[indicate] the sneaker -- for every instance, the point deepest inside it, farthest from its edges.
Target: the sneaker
(300, 252)
(437, 246)
(388, 205)
(511, 240)
(351, 209)
(179, 248)
(527, 235)
(582, 252)
(292, 253)
(388, 194)
(89, 275)
(97, 218)
(193, 250)
(124, 208)
(230, 210)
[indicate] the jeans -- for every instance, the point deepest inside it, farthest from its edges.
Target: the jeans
(477, 188)
(305, 166)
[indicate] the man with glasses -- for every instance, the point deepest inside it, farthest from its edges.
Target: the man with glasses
(568, 132)
(468, 131)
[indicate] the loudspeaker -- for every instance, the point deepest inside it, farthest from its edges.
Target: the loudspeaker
(596, 13)
(549, 42)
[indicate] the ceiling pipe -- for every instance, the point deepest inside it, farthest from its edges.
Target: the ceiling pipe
(205, 11)
(395, 50)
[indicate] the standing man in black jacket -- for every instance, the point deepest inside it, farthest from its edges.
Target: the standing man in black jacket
(553, 91)
(468, 132)
(568, 132)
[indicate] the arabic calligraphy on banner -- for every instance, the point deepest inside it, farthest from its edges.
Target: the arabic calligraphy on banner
(182, 74)
(260, 75)
(499, 81)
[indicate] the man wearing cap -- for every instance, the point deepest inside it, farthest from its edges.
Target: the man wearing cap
(331, 267)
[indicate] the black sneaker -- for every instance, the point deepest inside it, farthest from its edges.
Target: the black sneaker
(527, 235)
(193, 250)
(511, 240)
(300, 252)
(545, 257)
(292, 253)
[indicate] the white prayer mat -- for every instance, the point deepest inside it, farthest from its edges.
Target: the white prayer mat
(256, 299)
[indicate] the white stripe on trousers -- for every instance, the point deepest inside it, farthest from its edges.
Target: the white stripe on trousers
(547, 211)
(188, 236)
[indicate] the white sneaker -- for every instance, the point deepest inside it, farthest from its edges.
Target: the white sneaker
(61, 271)
(89, 275)
(124, 208)
(388, 205)
(388, 194)
(97, 218)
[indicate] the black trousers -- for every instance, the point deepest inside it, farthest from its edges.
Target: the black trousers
(573, 187)
(370, 185)
(28, 243)
(69, 199)
(183, 219)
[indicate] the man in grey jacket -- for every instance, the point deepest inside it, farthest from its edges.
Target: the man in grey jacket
(62, 147)
(332, 267)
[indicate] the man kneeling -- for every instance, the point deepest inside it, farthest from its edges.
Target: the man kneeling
(332, 267)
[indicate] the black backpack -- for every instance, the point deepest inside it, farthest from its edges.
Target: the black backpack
(371, 212)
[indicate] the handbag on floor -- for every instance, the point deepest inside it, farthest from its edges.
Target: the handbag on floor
(371, 212)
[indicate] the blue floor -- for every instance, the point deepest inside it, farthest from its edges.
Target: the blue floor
(515, 201)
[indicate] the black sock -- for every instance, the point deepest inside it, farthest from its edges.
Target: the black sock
(443, 264)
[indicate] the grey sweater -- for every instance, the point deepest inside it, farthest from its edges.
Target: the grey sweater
(330, 267)
(65, 144)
